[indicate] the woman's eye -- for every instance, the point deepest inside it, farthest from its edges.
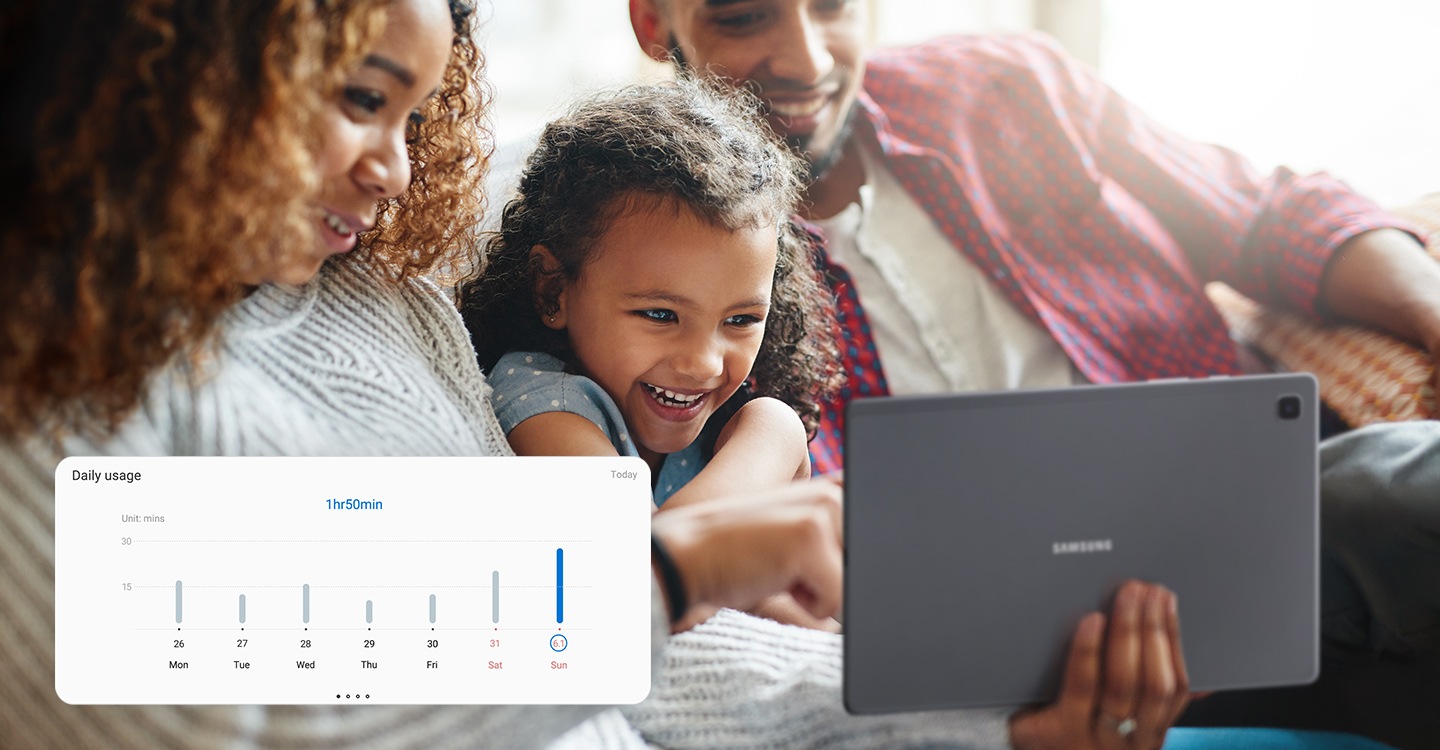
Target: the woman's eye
(412, 127)
(366, 99)
(660, 316)
(743, 321)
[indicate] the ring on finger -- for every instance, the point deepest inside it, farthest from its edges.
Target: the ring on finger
(1123, 726)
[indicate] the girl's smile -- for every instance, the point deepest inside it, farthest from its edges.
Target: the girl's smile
(674, 399)
(667, 316)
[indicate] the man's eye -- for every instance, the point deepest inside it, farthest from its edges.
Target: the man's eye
(739, 21)
(661, 316)
(367, 99)
(743, 321)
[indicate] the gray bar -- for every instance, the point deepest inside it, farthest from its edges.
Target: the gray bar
(494, 596)
(242, 609)
(369, 611)
(432, 609)
(305, 607)
(178, 600)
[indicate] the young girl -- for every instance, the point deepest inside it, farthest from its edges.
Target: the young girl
(645, 274)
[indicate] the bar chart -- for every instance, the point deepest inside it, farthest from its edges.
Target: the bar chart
(345, 580)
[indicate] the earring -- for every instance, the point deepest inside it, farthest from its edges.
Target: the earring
(552, 318)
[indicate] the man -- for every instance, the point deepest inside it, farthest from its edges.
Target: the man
(1017, 224)
(1009, 221)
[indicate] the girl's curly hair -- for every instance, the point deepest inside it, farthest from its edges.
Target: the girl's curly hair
(692, 143)
(155, 153)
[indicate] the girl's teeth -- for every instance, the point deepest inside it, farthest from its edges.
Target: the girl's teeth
(670, 395)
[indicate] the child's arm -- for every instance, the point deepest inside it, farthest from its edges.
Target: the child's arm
(559, 433)
(762, 446)
(547, 412)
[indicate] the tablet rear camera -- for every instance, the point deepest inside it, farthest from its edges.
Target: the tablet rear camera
(1288, 407)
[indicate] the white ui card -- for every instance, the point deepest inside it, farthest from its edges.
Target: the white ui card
(352, 580)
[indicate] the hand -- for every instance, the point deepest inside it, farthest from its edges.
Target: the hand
(782, 609)
(736, 552)
(1122, 688)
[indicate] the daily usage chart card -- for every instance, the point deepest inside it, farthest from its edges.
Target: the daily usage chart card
(352, 580)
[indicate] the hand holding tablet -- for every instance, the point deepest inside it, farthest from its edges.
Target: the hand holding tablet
(1125, 681)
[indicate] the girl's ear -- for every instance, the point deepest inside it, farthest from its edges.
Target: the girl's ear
(550, 287)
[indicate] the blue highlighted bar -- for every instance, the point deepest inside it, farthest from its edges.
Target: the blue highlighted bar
(559, 585)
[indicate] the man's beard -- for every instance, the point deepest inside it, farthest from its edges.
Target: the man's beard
(817, 165)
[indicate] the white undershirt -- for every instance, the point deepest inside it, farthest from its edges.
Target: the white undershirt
(939, 324)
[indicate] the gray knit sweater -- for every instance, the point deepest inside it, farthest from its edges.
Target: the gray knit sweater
(352, 365)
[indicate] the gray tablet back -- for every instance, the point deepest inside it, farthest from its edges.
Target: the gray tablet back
(981, 528)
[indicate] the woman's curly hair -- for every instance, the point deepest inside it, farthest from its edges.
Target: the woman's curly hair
(432, 226)
(689, 143)
(154, 154)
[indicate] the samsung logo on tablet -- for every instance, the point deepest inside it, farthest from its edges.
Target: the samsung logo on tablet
(1081, 547)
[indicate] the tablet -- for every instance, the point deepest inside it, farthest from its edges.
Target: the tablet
(980, 528)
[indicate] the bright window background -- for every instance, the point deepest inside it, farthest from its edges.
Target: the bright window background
(541, 54)
(1345, 86)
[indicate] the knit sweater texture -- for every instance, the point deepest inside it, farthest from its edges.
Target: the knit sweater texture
(353, 364)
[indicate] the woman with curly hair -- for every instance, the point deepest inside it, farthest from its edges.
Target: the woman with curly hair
(214, 225)
(216, 221)
(644, 278)
(158, 168)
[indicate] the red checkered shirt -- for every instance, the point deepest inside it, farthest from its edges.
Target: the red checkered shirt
(1094, 221)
